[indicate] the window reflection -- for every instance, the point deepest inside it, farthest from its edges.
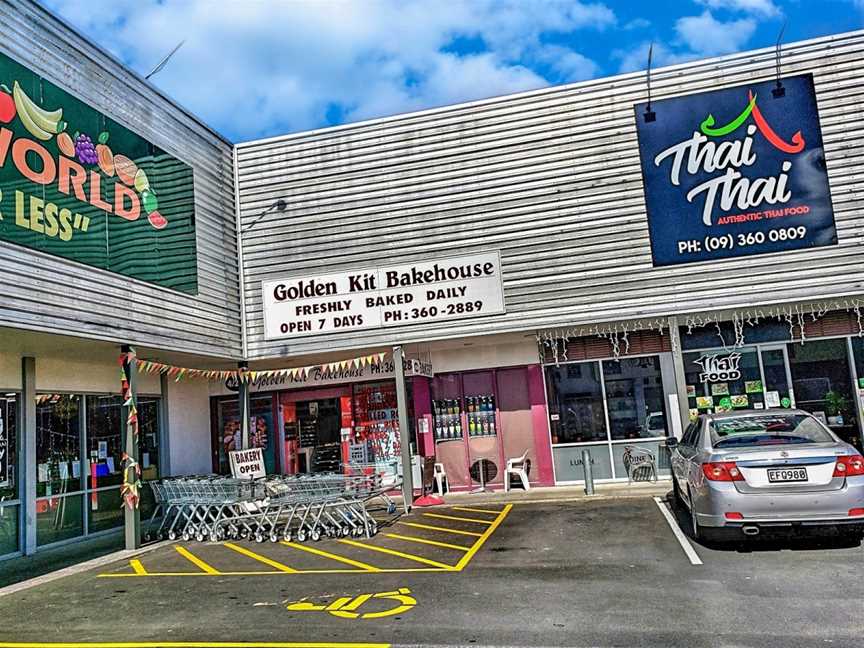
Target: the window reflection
(64, 468)
(634, 394)
(576, 403)
(58, 444)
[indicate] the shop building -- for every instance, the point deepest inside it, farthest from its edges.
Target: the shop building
(580, 267)
(118, 217)
(627, 231)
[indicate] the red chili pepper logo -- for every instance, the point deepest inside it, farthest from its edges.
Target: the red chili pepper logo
(796, 146)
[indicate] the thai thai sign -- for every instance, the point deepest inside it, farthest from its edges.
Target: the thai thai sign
(427, 291)
(76, 184)
(735, 172)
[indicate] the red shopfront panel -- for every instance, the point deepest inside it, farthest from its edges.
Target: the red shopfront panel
(482, 425)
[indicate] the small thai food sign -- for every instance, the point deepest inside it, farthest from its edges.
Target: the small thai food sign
(442, 289)
(77, 184)
(735, 172)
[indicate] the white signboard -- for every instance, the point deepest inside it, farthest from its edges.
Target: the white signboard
(247, 464)
(444, 289)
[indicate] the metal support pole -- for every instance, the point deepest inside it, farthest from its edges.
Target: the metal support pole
(164, 428)
(27, 455)
(404, 435)
(588, 472)
(245, 407)
(131, 517)
(680, 380)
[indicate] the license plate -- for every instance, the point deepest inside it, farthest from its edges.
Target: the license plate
(787, 474)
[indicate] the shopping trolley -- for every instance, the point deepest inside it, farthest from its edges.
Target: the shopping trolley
(296, 507)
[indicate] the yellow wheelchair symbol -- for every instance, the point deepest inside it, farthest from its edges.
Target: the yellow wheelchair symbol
(345, 607)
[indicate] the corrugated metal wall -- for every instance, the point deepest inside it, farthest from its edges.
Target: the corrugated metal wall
(552, 179)
(47, 293)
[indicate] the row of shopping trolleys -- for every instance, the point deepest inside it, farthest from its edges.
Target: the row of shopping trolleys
(275, 508)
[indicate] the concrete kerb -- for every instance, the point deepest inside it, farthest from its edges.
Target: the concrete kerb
(78, 568)
(556, 494)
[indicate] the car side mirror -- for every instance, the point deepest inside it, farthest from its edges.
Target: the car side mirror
(671, 442)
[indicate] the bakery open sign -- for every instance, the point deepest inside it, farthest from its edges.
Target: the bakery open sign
(77, 184)
(442, 289)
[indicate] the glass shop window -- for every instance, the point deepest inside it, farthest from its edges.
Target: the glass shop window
(58, 444)
(634, 394)
(8, 472)
(576, 403)
(720, 381)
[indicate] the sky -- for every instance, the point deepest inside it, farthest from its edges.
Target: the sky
(258, 68)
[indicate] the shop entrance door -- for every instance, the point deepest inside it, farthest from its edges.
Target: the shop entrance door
(777, 377)
(318, 423)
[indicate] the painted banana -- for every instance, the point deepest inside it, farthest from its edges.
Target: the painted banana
(41, 123)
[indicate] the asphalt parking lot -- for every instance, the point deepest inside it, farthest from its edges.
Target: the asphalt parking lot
(586, 573)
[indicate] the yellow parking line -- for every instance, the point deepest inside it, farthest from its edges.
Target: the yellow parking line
(191, 644)
(468, 509)
(455, 518)
(327, 554)
(260, 558)
(195, 560)
(425, 541)
(393, 552)
(476, 546)
(383, 570)
(437, 528)
(138, 567)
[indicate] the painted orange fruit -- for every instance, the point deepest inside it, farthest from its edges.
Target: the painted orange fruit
(66, 145)
(125, 169)
(106, 159)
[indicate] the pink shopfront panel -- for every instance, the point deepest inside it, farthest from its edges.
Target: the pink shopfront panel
(450, 448)
(517, 420)
(482, 427)
(498, 415)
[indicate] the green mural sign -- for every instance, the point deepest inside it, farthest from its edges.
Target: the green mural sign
(76, 184)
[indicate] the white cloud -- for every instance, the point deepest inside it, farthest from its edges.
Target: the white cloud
(569, 65)
(696, 37)
(708, 36)
(252, 68)
(638, 23)
(761, 8)
(636, 58)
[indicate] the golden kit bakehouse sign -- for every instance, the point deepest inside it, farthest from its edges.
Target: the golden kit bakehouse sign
(76, 184)
(444, 289)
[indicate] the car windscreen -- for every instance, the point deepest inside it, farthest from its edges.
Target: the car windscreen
(771, 429)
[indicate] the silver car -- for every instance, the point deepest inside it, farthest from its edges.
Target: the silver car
(746, 471)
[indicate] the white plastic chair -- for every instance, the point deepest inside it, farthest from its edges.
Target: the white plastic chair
(519, 468)
(440, 476)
